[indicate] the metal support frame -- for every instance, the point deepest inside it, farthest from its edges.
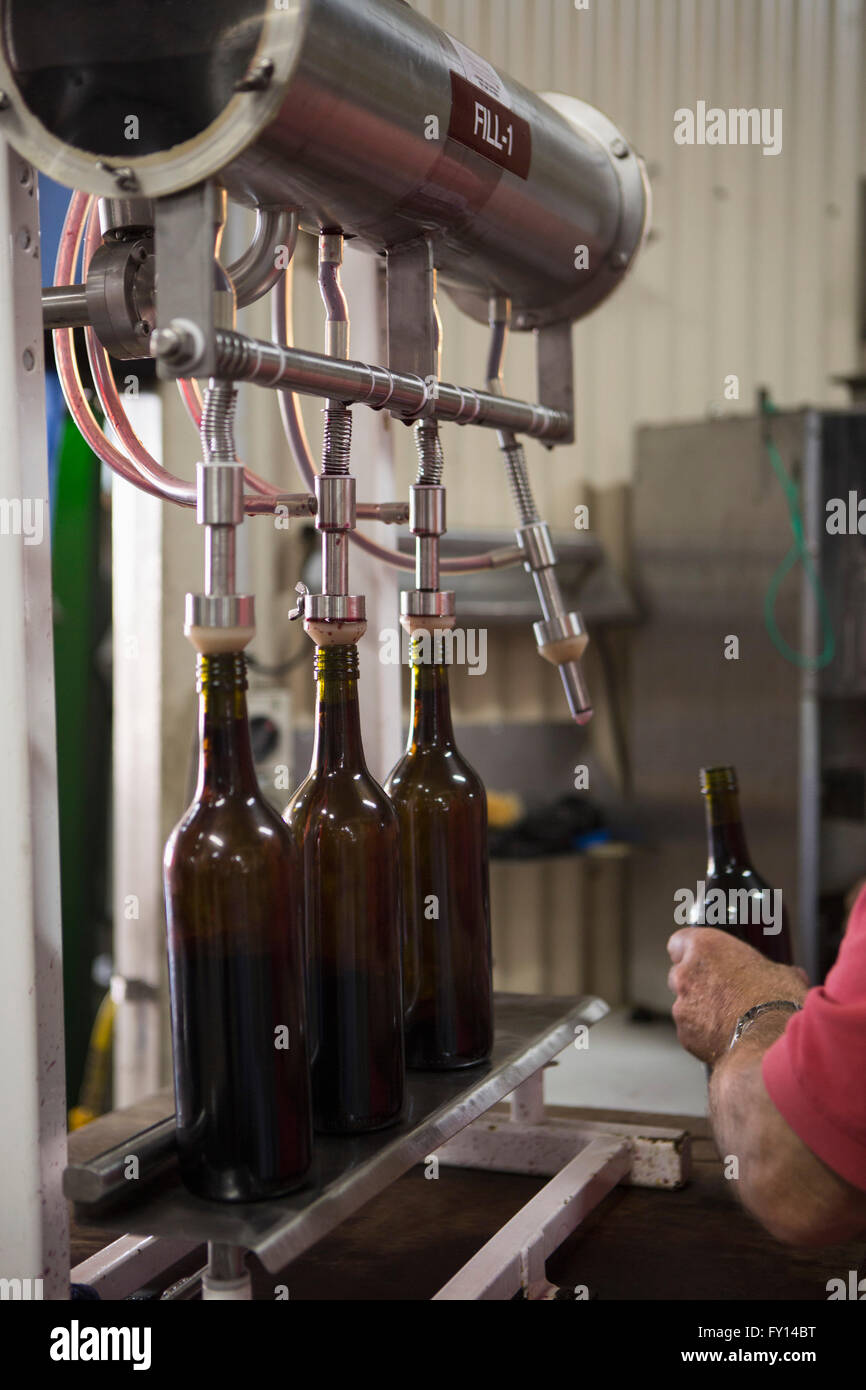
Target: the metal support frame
(413, 325)
(127, 1264)
(34, 1236)
(192, 287)
(586, 1160)
(555, 358)
(515, 1257)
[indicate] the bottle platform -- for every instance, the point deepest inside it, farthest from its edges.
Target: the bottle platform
(530, 1031)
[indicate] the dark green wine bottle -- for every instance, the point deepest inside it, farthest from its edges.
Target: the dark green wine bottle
(348, 833)
(236, 966)
(442, 808)
(749, 905)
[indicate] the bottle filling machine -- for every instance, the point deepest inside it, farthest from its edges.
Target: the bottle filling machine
(341, 119)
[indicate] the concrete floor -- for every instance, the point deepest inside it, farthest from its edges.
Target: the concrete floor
(629, 1066)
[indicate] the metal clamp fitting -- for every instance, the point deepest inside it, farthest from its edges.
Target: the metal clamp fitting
(120, 296)
(427, 509)
(220, 494)
(335, 608)
(537, 546)
(333, 620)
(335, 500)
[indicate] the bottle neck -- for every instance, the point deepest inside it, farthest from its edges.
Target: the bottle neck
(225, 760)
(431, 708)
(726, 839)
(337, 741)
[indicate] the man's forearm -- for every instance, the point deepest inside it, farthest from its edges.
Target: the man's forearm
(791, 1192)
(737, 1097)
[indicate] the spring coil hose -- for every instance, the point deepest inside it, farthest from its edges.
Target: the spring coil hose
(518, 481)
(337, 442)
(217, 422)
(431, 460)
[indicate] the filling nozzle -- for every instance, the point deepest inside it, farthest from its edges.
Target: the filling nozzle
(335, 617)
(560, 636)
(219, 620)
(427, 606)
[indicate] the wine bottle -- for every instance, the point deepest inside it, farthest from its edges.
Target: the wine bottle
(442, 808)
(347, 830)
(750, 906)
(236, 966)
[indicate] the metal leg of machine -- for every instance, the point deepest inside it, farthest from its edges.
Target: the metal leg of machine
(227, 1278)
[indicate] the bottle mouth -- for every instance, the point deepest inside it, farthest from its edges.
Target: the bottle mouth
(222, 671)
(718, 779)
(424, 652)
(336, 662)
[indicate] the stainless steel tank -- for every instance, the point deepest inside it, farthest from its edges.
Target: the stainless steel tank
(360, 113)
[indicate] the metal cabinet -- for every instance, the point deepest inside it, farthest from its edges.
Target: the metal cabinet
(711, 528)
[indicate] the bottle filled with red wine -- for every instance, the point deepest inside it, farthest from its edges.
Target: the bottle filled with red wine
(442, 807)
(736, 898)
(347, 831)
(236, 966)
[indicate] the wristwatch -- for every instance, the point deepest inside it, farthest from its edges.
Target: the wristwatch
(751, 1014)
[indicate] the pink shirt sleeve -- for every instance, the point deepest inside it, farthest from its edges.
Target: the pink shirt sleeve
(815, 1074)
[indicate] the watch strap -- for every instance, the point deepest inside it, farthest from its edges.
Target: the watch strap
(750, 1015)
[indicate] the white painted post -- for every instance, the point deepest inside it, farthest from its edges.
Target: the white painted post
(139, 932)
(34, 1235)
(373, 466)
(527, 1102)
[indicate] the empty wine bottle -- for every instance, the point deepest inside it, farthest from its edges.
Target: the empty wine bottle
(349, 837)
(442, 807)
(236, 966)
(749, 908)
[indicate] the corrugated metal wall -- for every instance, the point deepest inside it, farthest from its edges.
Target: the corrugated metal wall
(752, 266)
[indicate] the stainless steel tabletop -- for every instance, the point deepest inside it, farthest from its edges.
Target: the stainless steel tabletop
(347, 1171)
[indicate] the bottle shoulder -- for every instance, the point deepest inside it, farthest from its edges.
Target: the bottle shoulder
(298, 799)
(342, 794)
(443, 771)
(228, 827)
(736, 875)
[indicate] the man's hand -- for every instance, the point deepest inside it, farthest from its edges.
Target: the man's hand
(716, 979)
